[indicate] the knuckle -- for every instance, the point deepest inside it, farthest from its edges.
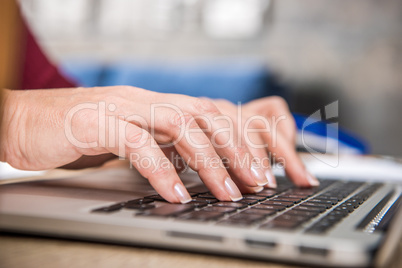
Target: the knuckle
(205, 106)
(224, 104)
(176, 120)
(177, 123)
(279, 103)
(138, 137)
(258, 123)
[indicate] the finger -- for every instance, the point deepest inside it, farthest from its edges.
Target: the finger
(226, 142)
(258, 149)
(253, 140)
(243, 188)
(284, 152)
(277, 111)
(137, 144)
(197, 151)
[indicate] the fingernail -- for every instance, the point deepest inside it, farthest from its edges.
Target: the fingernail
(259, 176)
(232, 190)
(312, 180)
(258, 189)
(181, 193)
(271, 179)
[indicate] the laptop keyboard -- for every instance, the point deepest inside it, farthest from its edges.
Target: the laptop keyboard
(286, 207)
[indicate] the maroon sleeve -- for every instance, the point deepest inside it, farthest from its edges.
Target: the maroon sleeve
(38, 71)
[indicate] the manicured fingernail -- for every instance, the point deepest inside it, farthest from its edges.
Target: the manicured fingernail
(312, 180)
(259, 176)
(271, 179)
(258, 189)
(182, 193)
(232, 190)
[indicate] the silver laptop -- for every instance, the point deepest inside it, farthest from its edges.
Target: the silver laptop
(339, 223)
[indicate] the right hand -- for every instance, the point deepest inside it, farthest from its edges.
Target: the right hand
(44, 129)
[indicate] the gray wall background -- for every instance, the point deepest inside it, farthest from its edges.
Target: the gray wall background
(323, 50)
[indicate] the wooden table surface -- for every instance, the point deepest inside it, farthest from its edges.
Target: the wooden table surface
(26, 251)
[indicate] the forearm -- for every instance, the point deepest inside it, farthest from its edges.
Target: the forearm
(5, 113)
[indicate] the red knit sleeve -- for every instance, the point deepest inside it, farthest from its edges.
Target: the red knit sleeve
(38, 71)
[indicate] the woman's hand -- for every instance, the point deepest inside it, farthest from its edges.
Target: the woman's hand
(270, 133)
(44, 129)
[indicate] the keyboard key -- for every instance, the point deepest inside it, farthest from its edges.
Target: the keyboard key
(206, 195)
(201, 215)
(310, 208)
(140, 201)
(200, 189)
(339, 213)
(230, 204)
(330, 197)
(246, 218)
(167, 210)
(197, 204)
(269, 207)
(219, 209)
(267, 193)
(323, 201)
(300, 197)
(356, 201)
(334, 217)
(248, 201)
(315, 204)
(253, 196)
(286, 199)
(109, 209)
(278, 203)
(304, 192)
(205, 200)
(282, 187)
(138, 206)
(265, 212)
(323, 225)
(348, 209)
(351, 204)
(156, 197)
(304, 213)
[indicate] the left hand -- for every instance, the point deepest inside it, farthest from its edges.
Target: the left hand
(269, 130)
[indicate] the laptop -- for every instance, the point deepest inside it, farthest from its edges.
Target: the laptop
(341, 223)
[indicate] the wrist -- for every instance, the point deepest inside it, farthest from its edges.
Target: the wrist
(8, 110)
